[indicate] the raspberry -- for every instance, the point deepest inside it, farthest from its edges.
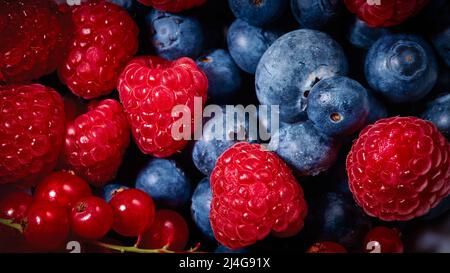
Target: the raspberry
(172, 5)
(254, 193)
(96, 142)
(399, 168)
(32, 39)
(387, 13)
(104, 40)
(31, 132)
(149, 88)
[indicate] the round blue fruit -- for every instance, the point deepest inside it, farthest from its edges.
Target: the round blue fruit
(224, 78)
(164, 182)
(362, 36)
(109, 190)
(248, 43)
(377, 110)
(401, 67)
(126, 4)
(174, 36)
(258, 12)
(200, 207)
(316, 14)
(441, 42)
(438, 112)
(338, 106)
(291, 67)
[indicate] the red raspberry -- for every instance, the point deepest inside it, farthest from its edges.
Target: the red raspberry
(149, 88)
(104, 40)
(96, 142)
(31, 132)
(399, 168)
(387, 13)
(172, 5)
(32, 39)
(326, 247)
(254, 193)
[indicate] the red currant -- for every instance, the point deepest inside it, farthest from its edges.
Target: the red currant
(169, 229)
(326, 247)
(91, 217)
(14, 205)
(46, 225)
(64, 188)
(133, 212)
(386, 240)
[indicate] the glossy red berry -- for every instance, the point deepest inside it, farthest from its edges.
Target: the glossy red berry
(172, 5)
(399, 168)
(91, 217)
(14, 205)
(46, 225)
(383, 240)
(168, 230)
(133, 212)
(64, 188)
(327, 247)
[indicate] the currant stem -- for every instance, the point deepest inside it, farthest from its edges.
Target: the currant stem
(134, 249)
(10, 223)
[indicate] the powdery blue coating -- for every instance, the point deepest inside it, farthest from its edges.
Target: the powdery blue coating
(316, 14)
(258, 12)
(441, 42)
(363, 36)
(201, 206)
(126, 4)
(438, 112)
(292, 65)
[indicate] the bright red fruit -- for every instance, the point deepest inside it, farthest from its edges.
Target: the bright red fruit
(46, 225)
(31, 132)
(134, 212)
(399, 168)
(168, 230)
(172, 5)
(387, 13)
(326, 247)
(91, 217)
(96, 142)
(149, 88)
(33, 36)
(63, 188)
(387, 240)
(14, 205)
(254, 193)
(104, 39)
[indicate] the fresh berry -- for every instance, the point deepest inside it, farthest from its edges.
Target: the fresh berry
(108, 191)
(96, 142)
(258, 12)
(149, 88)
(362, 36)
(224, 249)
(165, 182)
(292, 65)
(46, 225)
(254, 193)
(172, 5)
(438, 112)
(383, 240)
(399, 168)
(201, 207)
(15, 205)
(401, 67)
(63, 188)
(169, 230)
(385, 13)
(31, 132)
(33, 36)
(126, 4)
(441, 209)
(326, 247)
(318, 14)
(377, 109)
(133, 212)
(441, 42)
(104, 39)
(91, 217)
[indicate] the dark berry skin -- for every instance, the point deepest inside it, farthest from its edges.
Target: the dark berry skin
(377, 109)
(317, 14)
(441, 42)
(133, 212)
(224, 249)
(46, 225)
(91, 217)
(14, 205)
(224, 78)
(169, 230)
(62, 188)
(248, 43)
(338, 106)
(362, 36)
(201, 206)
(257, 12)
(386, 239)
(402, 68)
(165, 182)
(108, 191)
(438, 112)
(174, 36)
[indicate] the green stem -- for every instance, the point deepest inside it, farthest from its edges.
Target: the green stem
(134, 249)
(10, 223)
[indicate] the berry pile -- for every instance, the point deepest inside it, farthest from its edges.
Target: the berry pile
(92, 150)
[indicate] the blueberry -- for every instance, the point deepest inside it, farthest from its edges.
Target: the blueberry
(304, 148)
(200, 207)
(316, 14)
(362, 36)
(338, 106)
(258, 12)
(441, 42)
(164, 182)
(292, 65)
(224, 78)
(247, 44)
(174, 36)
(438, 112)
(126, 4)
(377, 110)
(224, 249)
(401, 67)
(109, 190)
